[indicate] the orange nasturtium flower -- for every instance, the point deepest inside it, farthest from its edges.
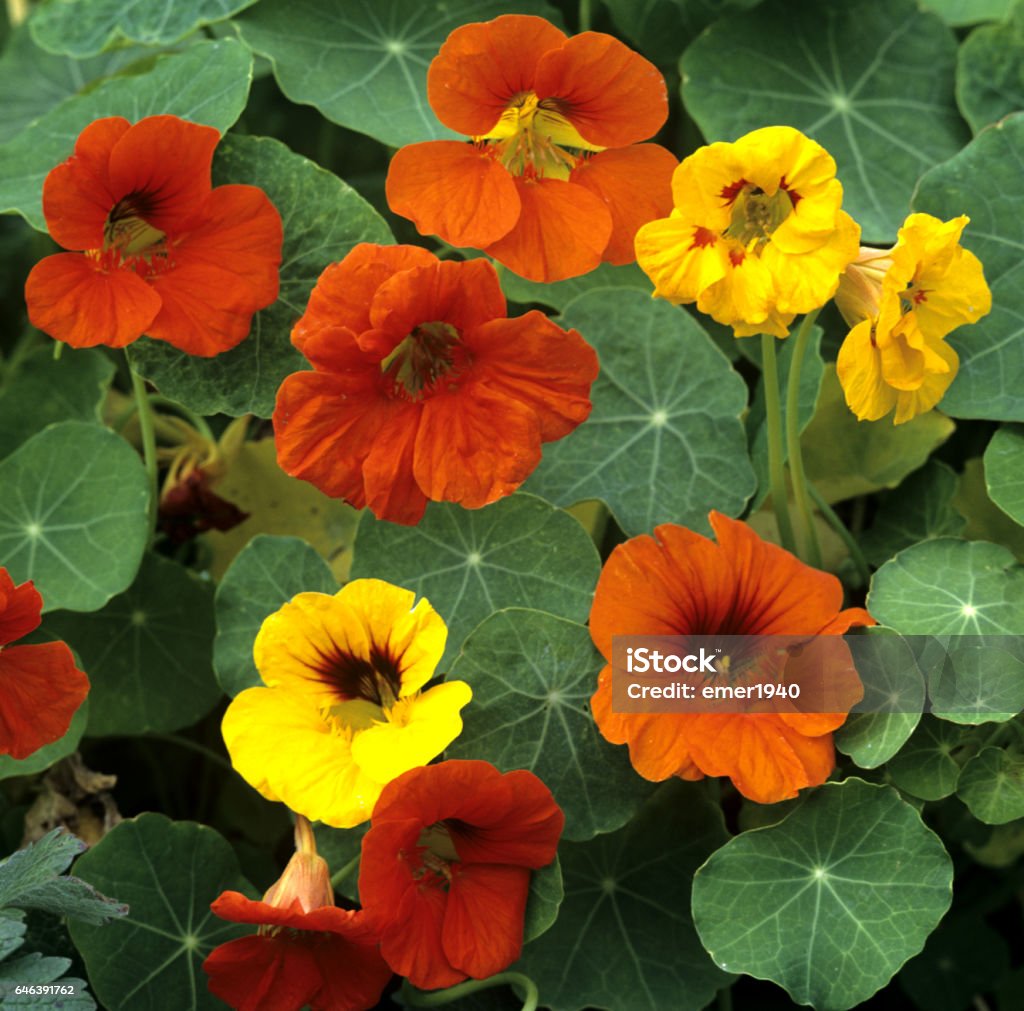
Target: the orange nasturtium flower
(307, 953)
(342, 712)
(757, 235)
(445, 868)
(158, 251)
(421, 388)
(554, 180)
(902, 303)
(40, 686)
(681, 583)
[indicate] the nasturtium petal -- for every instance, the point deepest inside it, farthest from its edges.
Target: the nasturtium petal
(49, 754)
(829, 902)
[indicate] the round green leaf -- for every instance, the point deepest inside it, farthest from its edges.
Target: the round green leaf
(73, 514)
(168, 873)
(207, 83)
(365, 66)
(983, 181)
(830, 902)
(624, 937)
(1004, 471)
(532, 676)
(543, 901)
(49, 754)
(990, 72)
(992, 786)
(928, 765)
(664, 423)
(323, 219)
(264, 576)
(558, 294)
(469, 563)
(148, 653)
(871, 82)
(969, 12)
(86, 27)
(978, 683)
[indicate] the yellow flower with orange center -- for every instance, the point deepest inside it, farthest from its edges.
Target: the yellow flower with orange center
(757, 234)
(342, 712)
(901, 304)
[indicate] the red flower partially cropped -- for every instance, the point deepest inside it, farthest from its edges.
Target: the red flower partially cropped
(308, 952)
(40, 686)
(422, 389)
(554, 180)
(157, 250)
(445, 869)
(681, 583)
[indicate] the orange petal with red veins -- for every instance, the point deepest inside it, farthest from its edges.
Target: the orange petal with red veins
(453, 190)
(391, 490)
(482, 66)
(223, 272)
(164, 162)
(635, 184)
(20, 609)
(261, 971)
(474, 445)
(611, 94)
(412, 944)
(344, 291)
(333, 349)
(77, 194)
(40, 690)
(533, 361)
(71, 299)
(563, 231)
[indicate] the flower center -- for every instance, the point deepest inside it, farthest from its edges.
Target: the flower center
(375, 679)
(436, 854)
(129, 240)
(422, 360)
(755, 213)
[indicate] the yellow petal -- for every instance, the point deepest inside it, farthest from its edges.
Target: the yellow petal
(961, 297)
(745, 295)
(698, 184)
(932, 389)
(681, 259)
(860, 373)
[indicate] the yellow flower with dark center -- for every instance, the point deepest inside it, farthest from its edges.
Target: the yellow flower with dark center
(342, 713)
(757, 234)
(901, 304)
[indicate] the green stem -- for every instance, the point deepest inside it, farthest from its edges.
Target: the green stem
(196, 421)
(584, 25)
(184, 742)
(338, 876)
(776, 469)
(845, 536)
(148, 444)
(810, 549)
(438, 998)
(724, 999)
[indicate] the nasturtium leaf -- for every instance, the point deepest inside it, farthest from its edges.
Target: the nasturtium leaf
(49, 754)
(168, 873)
(265, 575)
(872, 83)
(36, 969)
(39, 390)
(547, 891)
(624, 932)
(983, 181)
(844, 457)
(991, 784)
(469, 563)
(950, 587)
(664, 442)
(969, 12)
(207, 83)
(928, 765)
(362, 64)
(73, 514)
(532, 676)
(1002, 848)
(558, 294)
(148, 653)
(985, 520)
(831, 901)
(323, 219)
(919, 509)
(990, 71)
(83, 28)
(893, 700)
(979, 682)
(1004, 471)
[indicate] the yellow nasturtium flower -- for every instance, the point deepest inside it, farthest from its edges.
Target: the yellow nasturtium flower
(901, 304)
(342, 713)
(757, 235)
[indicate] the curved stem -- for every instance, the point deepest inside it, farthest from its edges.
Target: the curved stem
(857, 556)
(338, 876)
(776, 469)
(809, 545)
(584, 18)
(195, 420)
(148, 444)
(438, 998)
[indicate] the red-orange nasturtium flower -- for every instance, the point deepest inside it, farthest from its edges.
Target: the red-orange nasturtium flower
(155, 249)
(421, 388)
(445, 868)
(554, 180)
(308, 952)
(40, 686)
(681, 583)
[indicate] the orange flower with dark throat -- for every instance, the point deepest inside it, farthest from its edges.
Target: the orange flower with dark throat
(445, 868)
(554, 180)
(680, 583)
(422, 389)
(158, 250)
(40, 686)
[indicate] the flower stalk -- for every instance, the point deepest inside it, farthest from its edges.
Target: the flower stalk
(145, 412)
(776, 469)
(441, 998)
